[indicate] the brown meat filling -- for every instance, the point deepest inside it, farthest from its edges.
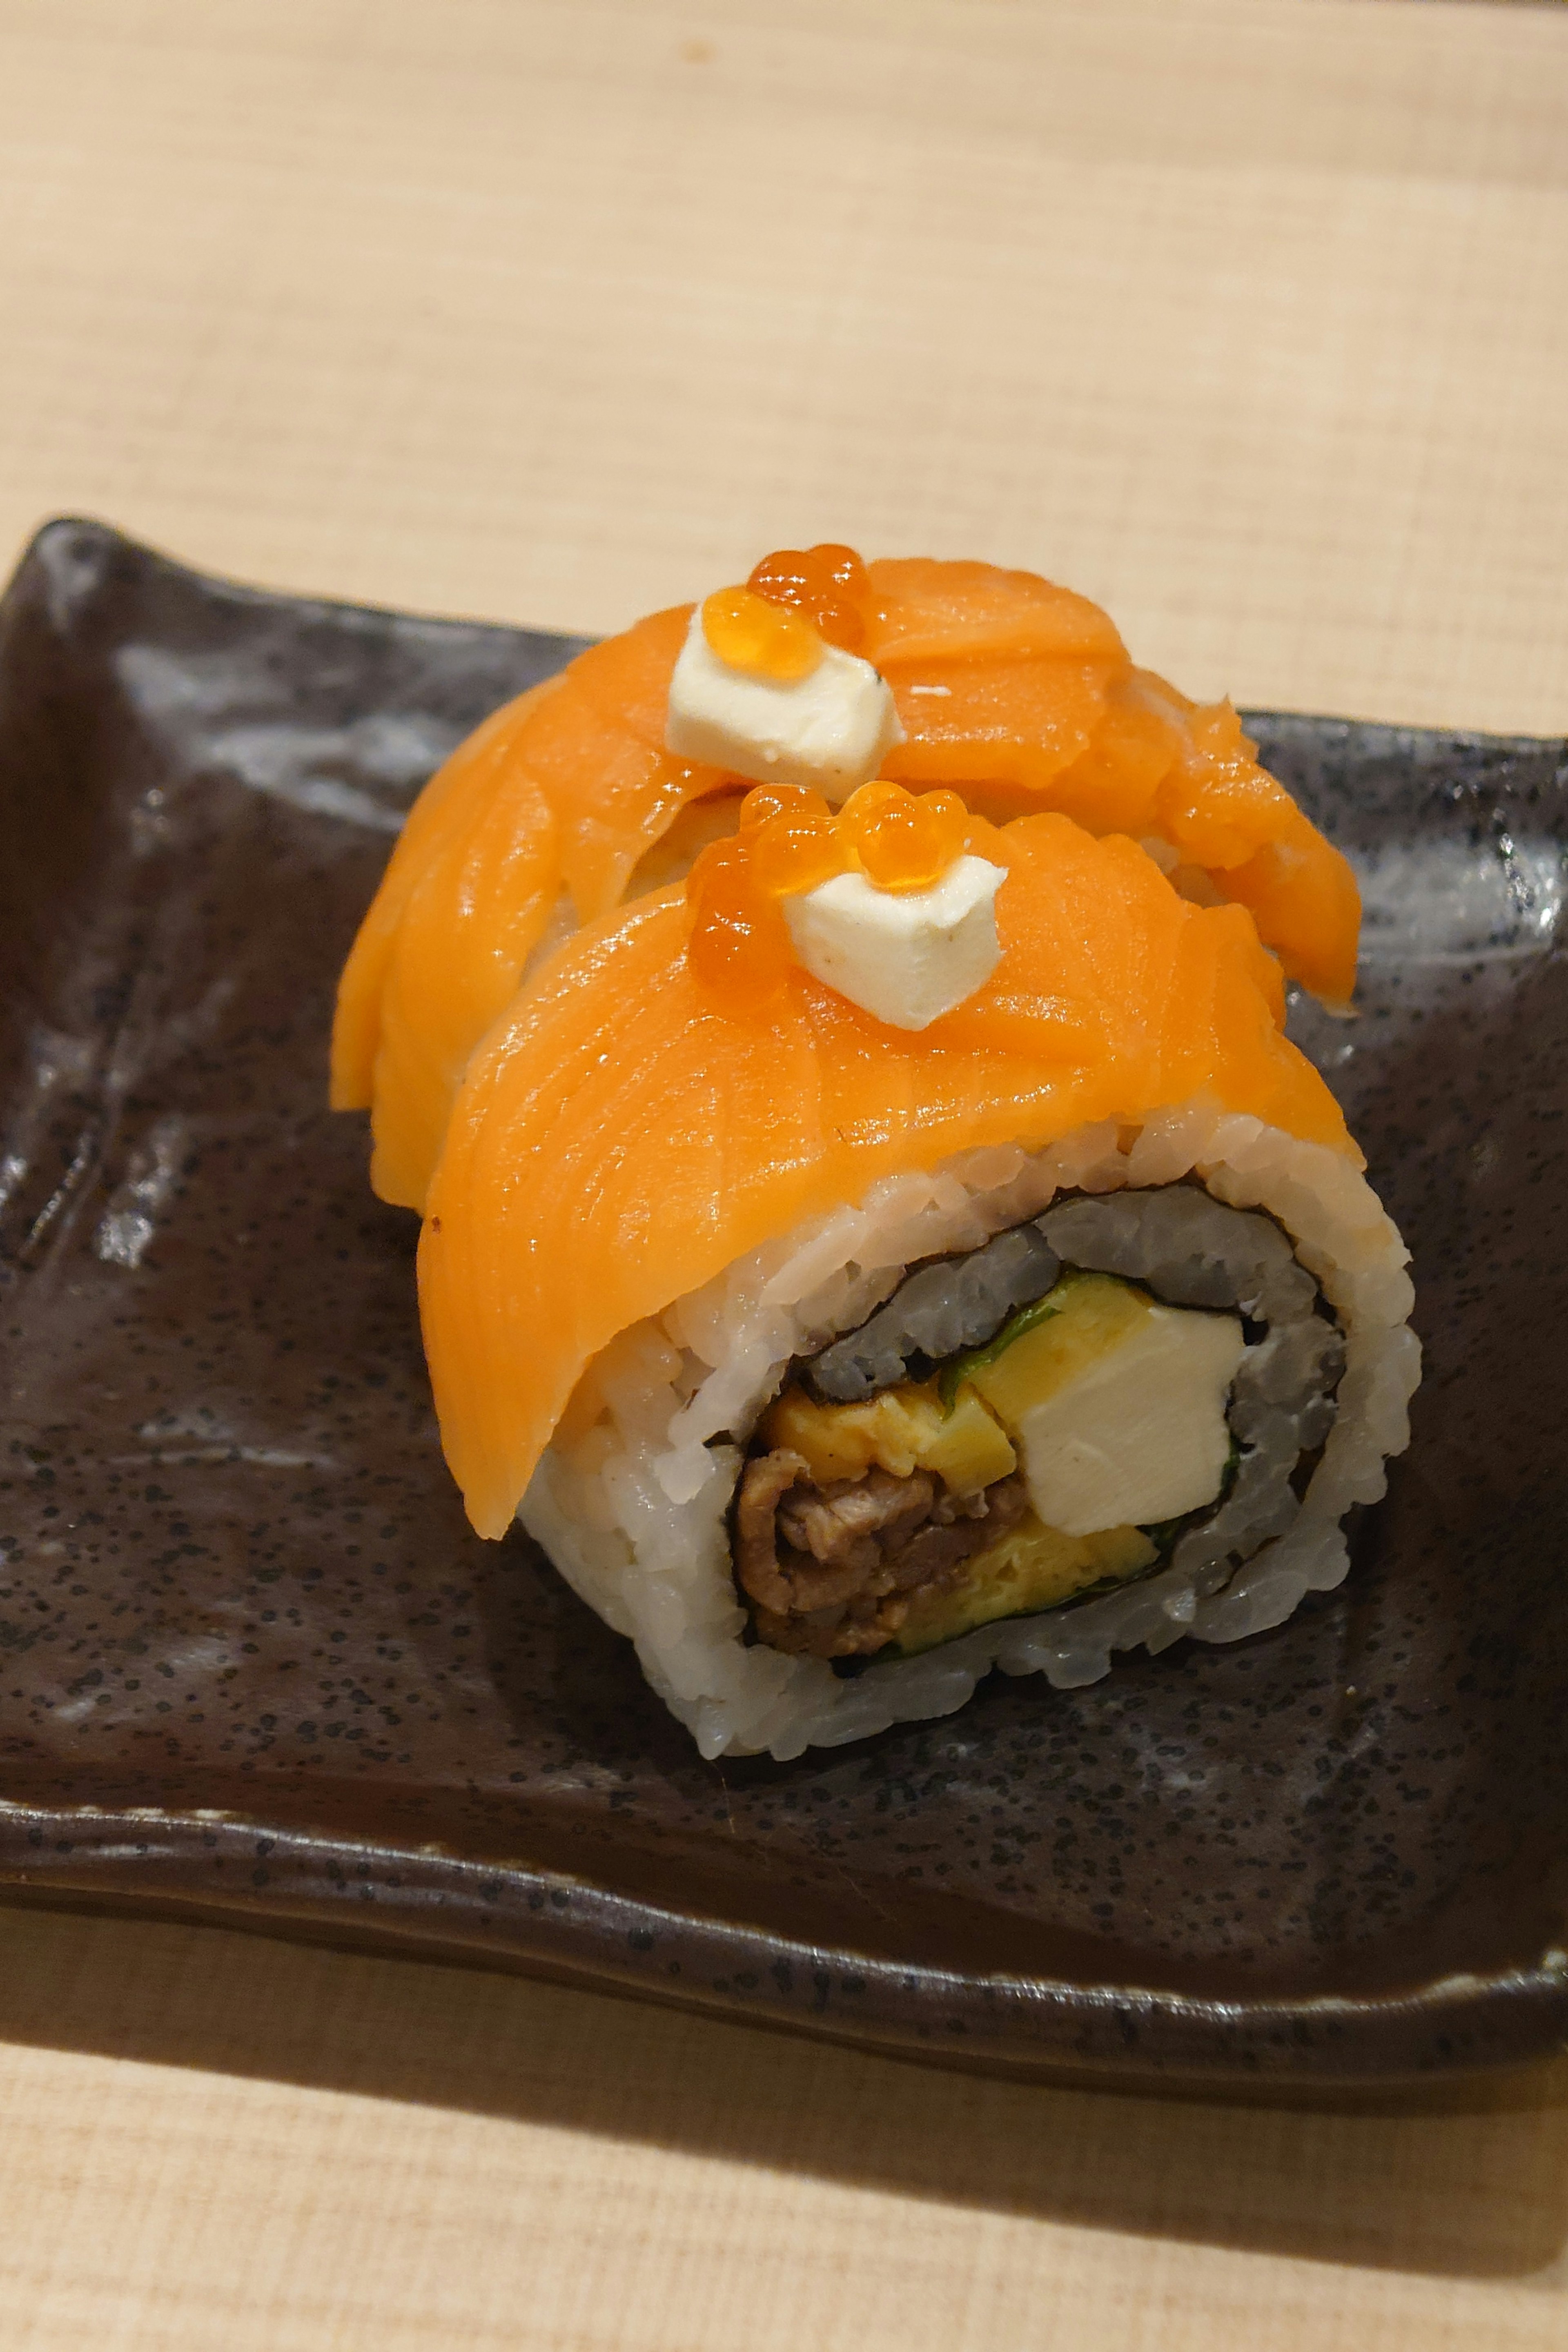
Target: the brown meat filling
(832, 1569)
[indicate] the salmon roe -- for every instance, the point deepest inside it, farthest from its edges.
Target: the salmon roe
(791, 841)
(827, 583)
(764, 802)
(740, 948)
(760, 638)
(904, 841)
(791, 853)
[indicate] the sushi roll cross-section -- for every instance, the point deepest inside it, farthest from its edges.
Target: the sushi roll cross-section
(895, 1239)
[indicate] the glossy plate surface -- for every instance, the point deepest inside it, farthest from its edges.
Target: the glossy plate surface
(253, 1662)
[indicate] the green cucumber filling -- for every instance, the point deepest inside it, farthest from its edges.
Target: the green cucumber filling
(1151, 1407)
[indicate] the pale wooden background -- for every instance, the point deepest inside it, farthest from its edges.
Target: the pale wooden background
(1248, 316)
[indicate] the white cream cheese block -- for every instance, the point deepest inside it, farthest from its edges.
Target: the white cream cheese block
(906, 956)
(831, 728)
(1140, 1435)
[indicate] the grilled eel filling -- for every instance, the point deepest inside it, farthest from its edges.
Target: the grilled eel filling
(1128, 1381)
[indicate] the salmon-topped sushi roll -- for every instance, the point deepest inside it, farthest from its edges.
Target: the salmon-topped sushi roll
(605, 785)
(907, 1247)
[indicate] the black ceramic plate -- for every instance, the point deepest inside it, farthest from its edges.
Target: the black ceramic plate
(253, 1662)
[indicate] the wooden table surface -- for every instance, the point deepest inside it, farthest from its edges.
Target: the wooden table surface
(1250, 316)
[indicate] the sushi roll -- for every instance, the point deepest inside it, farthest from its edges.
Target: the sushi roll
(605, 784)
(909, 1245)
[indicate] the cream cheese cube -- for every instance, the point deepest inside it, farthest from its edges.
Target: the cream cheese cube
(1140, 1435)
(832, 729)
(908, 957)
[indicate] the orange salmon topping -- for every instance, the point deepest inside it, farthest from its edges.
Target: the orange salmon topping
(760, 639)
(829, 583)
(463, 903)
(1014, 692)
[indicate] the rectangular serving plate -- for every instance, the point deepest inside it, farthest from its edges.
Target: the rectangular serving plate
(254, 1664)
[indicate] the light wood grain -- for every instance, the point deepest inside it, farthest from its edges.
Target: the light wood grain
(229, 2143)
(1248, 316)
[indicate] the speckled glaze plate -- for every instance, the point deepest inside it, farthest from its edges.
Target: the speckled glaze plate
(254, 1664)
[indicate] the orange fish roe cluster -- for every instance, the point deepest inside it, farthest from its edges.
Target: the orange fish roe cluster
(760, 638)
(828, 583)
(904, 840)
(740, 947)
(789, 841)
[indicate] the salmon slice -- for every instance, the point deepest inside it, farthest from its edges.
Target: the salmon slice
(466, 895)
(597, 750)
(469, 926)
(1016, 692)
(1231, 824)
(927, 609)
(460, 787)
(565, 789)
(1020, 720)
(622, 1137)
(1020, 694)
